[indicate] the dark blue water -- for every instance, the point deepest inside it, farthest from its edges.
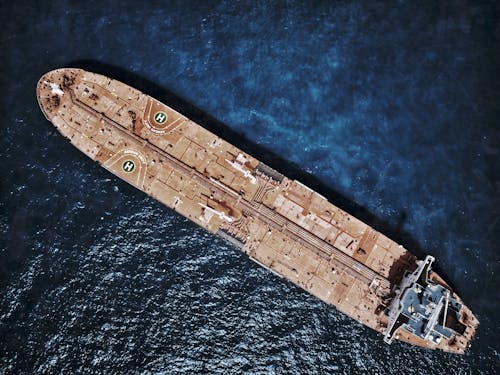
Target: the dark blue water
(389, 109)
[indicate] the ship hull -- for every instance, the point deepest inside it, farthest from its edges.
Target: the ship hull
(280, 223)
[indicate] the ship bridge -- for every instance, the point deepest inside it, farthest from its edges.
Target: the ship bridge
(423, 308)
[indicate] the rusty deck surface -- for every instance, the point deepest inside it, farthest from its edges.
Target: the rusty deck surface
(281, 224)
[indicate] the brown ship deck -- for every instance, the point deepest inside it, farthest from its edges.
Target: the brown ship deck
(281, 224)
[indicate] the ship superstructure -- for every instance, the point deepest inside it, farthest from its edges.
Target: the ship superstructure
(279, 223)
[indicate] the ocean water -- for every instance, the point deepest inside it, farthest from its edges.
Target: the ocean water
(389, 109)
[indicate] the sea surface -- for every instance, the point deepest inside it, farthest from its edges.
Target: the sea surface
(388, 108)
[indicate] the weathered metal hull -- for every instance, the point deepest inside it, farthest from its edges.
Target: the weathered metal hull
(282, 224)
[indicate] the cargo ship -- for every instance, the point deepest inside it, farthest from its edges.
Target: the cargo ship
(280, 223)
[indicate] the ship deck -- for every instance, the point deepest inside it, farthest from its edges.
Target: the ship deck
(280, 223)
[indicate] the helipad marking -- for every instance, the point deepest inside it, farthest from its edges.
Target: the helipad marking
(160, 117)
(128, 166)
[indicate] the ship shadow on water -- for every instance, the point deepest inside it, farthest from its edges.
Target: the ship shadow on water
(286, 167)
